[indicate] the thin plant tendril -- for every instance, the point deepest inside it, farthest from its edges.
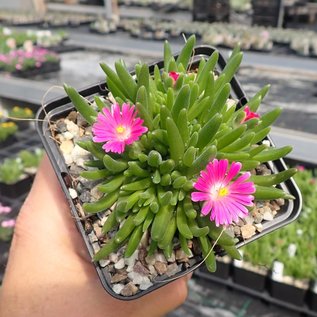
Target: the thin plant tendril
(199, 265)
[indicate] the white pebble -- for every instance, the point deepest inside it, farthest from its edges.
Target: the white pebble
(120, 264)
(117, 288)
(72, 193)
(268, 216)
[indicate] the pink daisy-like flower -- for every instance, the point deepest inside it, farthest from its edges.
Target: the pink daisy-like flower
(174, 76)
(249, 114)
(10, 223)
(117, 128)
(225, 199)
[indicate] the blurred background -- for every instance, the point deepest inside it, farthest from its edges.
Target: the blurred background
(44, 44)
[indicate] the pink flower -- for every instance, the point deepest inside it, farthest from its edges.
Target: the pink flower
(117, 128)
(10, 223)
(225, 199)
(4, 209)
(174, 76)
(301, 168)
(249, 114)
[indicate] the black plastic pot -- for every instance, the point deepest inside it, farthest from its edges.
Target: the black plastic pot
(250, 279)
(61, 107)
(17, 189)
(287, 293)
(8, 142)
(312, 296)
(47, 67)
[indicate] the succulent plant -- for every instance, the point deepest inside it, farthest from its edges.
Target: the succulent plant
(183, 142)
(11, 171)
(7, 129)
(23, 113)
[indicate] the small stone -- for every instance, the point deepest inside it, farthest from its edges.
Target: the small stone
(280, 201)
(153, 272)
(113, 257)
(119, 277)
(247, 231)
(142, 255)
(258, 217)
(95, 193)
(98, 230)
(181, 256)
(96, 246)
(67, 135)
(72, 116)
(268, 216)
(259, 227)
(131, 260)
(144, 286)
(129, 290)
(160, 257)
(92, 237)
(85, 196)
(172, 269)
(117, 288)
(88, 227)
(150, 259)
(72, 192)
(61, 126)
(160, 267)
(68, 159)
(79, 152)
(72, 127)
(141, 269)
(120, 264)
(248, 220)
(137, 278)
(104, 263)
(66, 147)
(75, 170)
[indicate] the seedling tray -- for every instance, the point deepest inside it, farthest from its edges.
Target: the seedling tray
(61, 107)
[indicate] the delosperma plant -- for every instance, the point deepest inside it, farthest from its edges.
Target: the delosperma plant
(176, 156)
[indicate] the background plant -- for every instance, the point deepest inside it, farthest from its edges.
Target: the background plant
(6, 223)
(21, 113)
(293, 245)
(7, 129)
(11, 171)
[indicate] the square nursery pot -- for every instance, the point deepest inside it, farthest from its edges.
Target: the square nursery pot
(312, 296)
(17, 189)
(46, 67)
(293, 292)
(250, 276)
(62, 107)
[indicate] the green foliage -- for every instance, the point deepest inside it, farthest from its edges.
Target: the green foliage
(21, 113)
(7, 129)
(11, 171)
(31, 158)
(301, 234)
(190, 123)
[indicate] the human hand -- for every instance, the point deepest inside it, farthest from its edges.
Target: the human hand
(49, 271)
